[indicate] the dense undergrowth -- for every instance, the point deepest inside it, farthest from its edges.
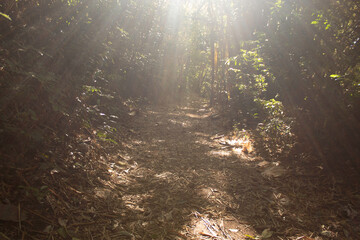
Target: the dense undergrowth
(54, 57)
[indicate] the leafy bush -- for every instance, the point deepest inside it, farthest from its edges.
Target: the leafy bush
(252, 105)
(249, 80)
(276, 129)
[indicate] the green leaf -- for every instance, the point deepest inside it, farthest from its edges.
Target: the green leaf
(111, 140)
(314, 22)
(101, 134)
(249, 236)
(5, 16)
(279, 3)
(335, 76)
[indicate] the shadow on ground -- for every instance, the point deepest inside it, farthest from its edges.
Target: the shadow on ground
(185, 183)
(175, 174)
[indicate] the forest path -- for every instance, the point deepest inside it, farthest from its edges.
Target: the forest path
(187, 182)
(172, 172)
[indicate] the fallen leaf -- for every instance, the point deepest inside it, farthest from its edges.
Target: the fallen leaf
(5, 16)
(48, 229)
(328, 234)
(133, 113)
(125, 233)
(249, 236)
(263, 164)
(168, 216)
(2, 236)
(62, 222)
(266, 233)
(274, 171)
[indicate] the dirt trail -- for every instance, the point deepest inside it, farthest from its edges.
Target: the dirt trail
(174, 174)
(189, 181)
(183, 181)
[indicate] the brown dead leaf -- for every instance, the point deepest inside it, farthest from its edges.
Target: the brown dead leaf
(274, 171)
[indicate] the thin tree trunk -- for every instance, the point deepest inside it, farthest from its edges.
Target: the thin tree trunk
(211, 15)
(212, 69)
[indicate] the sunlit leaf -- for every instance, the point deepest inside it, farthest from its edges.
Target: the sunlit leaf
(234, 70)
(249, 236)
(111, 140)
(5, 16)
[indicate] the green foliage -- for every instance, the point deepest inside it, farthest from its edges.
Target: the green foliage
(249, 99)
(91, 89)
(73, 2)
(104, 137)
(250, 78)
(312, 49)
(276, 129)
(321, 20)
